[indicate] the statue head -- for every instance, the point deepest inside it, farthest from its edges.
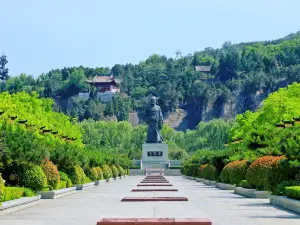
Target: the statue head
(153, 100)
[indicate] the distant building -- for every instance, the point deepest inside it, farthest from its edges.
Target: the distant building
(107, 86)
(203, 69)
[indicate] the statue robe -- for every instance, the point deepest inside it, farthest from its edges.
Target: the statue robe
(155, 121)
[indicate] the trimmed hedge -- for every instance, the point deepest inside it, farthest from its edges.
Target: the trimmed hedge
(92, 173)
(11, 193)
(210, 172)
(280, 187)
(257, 171)
(121, 170)
(245, 184)
(65, 177)
(107, 173)
(225, 174)
(61, 184)
(201, 168)
(51, 173)
(238, 172)
(99, 173)
(77, 175)
(293, 192)
(115, 171)
(2, 182)
(35, 178)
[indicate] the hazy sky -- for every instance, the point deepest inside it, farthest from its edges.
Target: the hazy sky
(39, 35)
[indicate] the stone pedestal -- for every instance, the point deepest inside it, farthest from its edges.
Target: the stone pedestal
(155, 155)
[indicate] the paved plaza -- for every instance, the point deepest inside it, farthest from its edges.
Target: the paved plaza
(89, 206)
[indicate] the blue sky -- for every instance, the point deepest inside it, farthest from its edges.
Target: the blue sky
(39, 35)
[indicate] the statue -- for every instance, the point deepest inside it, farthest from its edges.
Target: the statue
(154, 119)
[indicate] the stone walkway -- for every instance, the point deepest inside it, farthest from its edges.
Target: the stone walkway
(89, 206)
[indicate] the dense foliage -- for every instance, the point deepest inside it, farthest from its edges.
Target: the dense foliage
(51, 173)
(34, 178)
(245, 71)
(260, 155)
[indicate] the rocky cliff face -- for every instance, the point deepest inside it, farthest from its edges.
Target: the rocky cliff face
(238, 103)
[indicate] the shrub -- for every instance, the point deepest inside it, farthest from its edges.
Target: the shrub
(77, 175)
(65, 177)
(107, 173)
(2, 182)
(61, 184)
(121, 170)
(99, 173)
(34, 178)
(256, 172)
(127, 172)
(201, 168)
(293, 192)
(225, 174)
(28, 192)
(87, 180)
(115, 171)
(280, 171)
(210, 172)
(11, 193)
(280, 188)
(238, 172)
(245, 184)
(92, 173)
(51, 173)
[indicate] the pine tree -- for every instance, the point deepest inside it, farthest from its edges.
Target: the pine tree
(3, 70)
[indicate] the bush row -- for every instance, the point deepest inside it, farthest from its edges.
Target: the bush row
(47, 177)
(270, 173)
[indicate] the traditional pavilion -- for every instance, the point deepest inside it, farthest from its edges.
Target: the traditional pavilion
(106, 85)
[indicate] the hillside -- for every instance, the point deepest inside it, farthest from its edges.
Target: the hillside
(241, 76)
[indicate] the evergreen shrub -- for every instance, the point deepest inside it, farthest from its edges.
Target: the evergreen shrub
(115, 171)
(238, 172)
(121, 170)
(99, 173)
(210, 172)
(65, 177)
(201, 168)
(34, 178)
(107, 173)
(257, 171)
(77, 175)
(293, 192)
(51, 173)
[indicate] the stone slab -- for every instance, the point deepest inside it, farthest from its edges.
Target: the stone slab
(285, 202)
(224, 186)
(251, 193)
(154, 221)
(80, 187)
(153, 185)
(57, 193)
(151, 199)
(143, 190)
(97, 182)
(18, 204)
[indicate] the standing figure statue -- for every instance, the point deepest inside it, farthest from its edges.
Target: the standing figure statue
(154, 119)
